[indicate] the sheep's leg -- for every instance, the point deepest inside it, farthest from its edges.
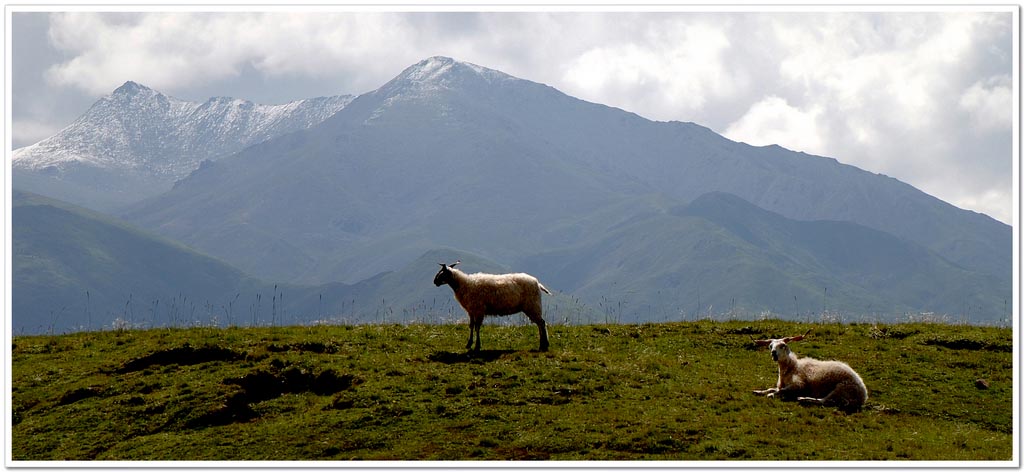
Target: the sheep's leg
(535, 316)
(827, 400)
(786, 392)
(479, 324)
(838, 397)
(476, 322)
(469, 344)
(543, 332)
(789, 392)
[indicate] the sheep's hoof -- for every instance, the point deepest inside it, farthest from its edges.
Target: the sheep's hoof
(810, 401)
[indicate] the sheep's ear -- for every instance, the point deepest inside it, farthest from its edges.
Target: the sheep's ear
(798, 338)
(454, 264)
(762, 342)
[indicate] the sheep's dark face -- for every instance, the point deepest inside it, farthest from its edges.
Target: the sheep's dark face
(443, 276)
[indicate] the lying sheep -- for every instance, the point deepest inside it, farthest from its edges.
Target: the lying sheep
(829, 383)
(489, 294)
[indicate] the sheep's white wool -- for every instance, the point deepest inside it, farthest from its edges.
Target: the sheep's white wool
(495, 295)
(830, 383)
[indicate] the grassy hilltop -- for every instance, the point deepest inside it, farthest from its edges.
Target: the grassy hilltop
(673, 391)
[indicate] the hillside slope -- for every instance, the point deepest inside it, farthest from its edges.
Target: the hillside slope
(456, 155)
(74, 269)
(675, 391)
(450, 154)
(721, 254)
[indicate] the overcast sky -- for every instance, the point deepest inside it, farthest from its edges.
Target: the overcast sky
(925, 97)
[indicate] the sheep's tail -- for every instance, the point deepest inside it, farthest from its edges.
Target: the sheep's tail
(542, 287)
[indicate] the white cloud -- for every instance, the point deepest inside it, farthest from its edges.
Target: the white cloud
(988, 101)
(923, 97)
(773, 121)
(994, 202)
(27, 131)
(170, 51)
(671, 70)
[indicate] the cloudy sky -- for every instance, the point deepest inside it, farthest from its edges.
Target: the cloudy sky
(925, 97)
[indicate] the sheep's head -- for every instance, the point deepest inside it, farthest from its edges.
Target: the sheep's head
(779, 347)
(444, 276)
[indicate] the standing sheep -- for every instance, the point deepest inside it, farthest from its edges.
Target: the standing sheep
(829, 383)
(495, 295)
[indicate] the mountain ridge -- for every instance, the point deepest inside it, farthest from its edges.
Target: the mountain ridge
(449, 154)
(137, 142)
(523, 132)
(76, 269)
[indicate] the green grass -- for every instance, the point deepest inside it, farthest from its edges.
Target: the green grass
(674, 391)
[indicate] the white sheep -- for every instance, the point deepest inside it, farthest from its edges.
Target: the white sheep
(495, 295)
(829, 383)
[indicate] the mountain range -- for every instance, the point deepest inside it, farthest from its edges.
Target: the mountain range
(136, 142)
(627, 219)
(722, 254)
(77, 269)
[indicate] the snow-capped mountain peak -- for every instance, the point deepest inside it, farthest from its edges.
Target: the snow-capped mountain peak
(438, 73)
(139, 133)
(131, 88)
(136, 127)
(436, 78)
(428, 68)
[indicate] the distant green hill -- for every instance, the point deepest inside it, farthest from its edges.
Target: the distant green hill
(721, 255)
(409, 295)
(77, 268)
(646, 259)
(74, 269)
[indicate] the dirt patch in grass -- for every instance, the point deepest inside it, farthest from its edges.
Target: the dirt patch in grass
(263, 385)
(79, 394)
(744, 330)
(968, 344)
(185, 355)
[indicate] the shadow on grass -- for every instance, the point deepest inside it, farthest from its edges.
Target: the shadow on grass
(478, 357)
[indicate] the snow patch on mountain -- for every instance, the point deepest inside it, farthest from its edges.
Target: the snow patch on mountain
(432, 77)
(140, 130)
